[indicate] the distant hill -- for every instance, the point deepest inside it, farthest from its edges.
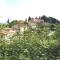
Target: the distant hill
(50, 19)
(46, 19)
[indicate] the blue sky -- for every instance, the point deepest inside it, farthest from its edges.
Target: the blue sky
(15, 2)
(21, 9)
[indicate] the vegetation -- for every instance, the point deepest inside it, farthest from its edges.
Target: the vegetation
(2, 26)
(39, 44)
(47, 19)
(12, 23)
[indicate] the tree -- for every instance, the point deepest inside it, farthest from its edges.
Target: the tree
(29, 18)
(8, 21)
(45, 18)
(52, 27)
(2, 26)
(12, 23)
(58, 32)
(52, 20)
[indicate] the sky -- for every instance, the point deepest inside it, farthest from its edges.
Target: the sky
(21, 9)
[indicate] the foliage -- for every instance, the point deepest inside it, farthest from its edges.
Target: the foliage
(12, 23)
(58, 32)
(8, 21)
(50, 19)
(31, 45)
(2, 26)
(29, 18)
(52, 27)
(45, 18)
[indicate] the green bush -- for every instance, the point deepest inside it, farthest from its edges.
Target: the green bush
(30, 46)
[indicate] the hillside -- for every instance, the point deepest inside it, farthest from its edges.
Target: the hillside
(46, 19)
